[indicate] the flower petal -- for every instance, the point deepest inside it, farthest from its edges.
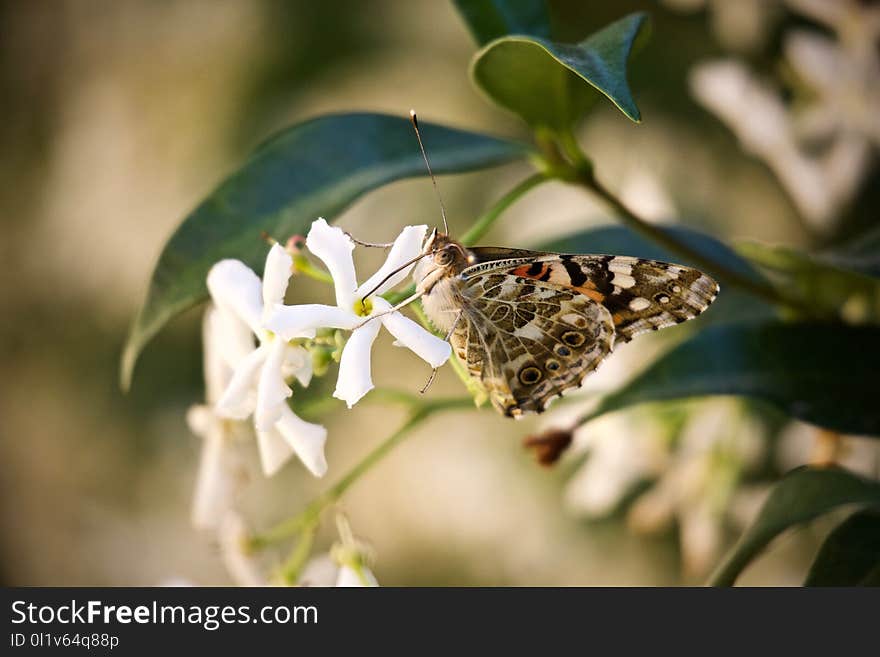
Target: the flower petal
(334, 248)
(238, 400)
(349, 576)
(276, 276)
(240, 563)
(272, 391)
(226, 340)
(298, 363)
(354, 367)
(306, 439)
(422, 342)
(200, 419)
(274, 450)
(406, 247)
(296, 321)
(215, 482)
(235, 287)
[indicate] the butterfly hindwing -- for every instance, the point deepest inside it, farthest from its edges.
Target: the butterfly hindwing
(528, 341)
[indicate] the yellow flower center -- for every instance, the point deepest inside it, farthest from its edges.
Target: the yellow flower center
(363, 307)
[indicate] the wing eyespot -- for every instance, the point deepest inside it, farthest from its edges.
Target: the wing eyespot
(573, 338)
(562, 350)
(530, 375)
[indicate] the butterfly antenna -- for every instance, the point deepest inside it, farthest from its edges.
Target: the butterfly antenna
(415, 122)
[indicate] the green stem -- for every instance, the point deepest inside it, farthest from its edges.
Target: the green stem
(292, 568)
(483, 223)
(310, 516)
(303, 265)
(673, 244)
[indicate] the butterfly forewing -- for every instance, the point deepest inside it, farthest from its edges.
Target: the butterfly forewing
(642, 295)
(535, 324)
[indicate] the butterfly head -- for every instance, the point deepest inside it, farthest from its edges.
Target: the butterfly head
(443, 258)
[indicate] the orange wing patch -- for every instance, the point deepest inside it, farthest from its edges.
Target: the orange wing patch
(555, 272)
(536, 270)
(588, 289)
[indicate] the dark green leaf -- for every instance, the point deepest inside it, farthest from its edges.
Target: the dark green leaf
(619, 240)
(861, 255)
(553, 84)
(490, 19)
(821, 373)
(830, 285)
(850, 556)
(801, 496)
(316, 168)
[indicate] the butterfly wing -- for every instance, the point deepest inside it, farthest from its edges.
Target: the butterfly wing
(529, 342)
(535, 324)
(642, 295)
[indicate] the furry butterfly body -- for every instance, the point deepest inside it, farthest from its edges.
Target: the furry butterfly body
(531, 325)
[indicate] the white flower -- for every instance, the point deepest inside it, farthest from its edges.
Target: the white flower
(694, 472)
(623, 449)
(352, 576)
(820, 145)
(258, 386)
(242, 566)
(716, 446)
(325, 570)
(804, 444)
(353, 308)
(218, 474)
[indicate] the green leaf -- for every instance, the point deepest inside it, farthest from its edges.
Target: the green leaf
(551, 85)
(830, 285)
(801, 496)
(620, 240)
(861, 254)
(490, 19)
(316, 168)
(850, 556)
(821, 373)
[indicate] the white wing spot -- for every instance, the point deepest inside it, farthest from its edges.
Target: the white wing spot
(623, 280)
(639, 303)
(530, 331)
(574, 319)
(620, 266)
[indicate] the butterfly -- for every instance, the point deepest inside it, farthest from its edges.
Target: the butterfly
(530, 325)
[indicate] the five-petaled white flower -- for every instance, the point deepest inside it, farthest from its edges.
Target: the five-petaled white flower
(325, 571)
(259, 383)
(219, 466)
(357, 304)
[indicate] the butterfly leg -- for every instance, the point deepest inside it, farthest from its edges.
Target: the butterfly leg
(448, 335)
(376, 245)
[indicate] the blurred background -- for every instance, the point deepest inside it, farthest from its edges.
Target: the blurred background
(759, 122)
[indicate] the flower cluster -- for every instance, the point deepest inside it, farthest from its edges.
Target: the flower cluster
(820, 144)
(684, 470)
(255, 346)
(248, 378)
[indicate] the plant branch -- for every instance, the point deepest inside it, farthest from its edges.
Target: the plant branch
(483, 223)
(309, 517)
(664, 238)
